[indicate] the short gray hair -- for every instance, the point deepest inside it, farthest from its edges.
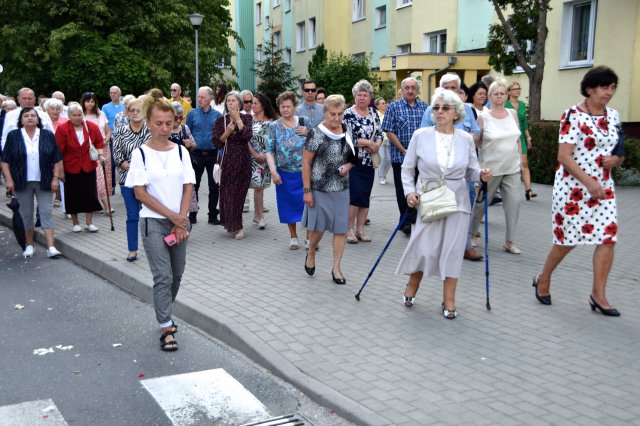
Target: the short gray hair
(449, 97)
(246, 92)
(448, 78)
(362, 86)
(53, 103)
(127, 99)
(73, 106)
(232, 93)
(209, 91)
(334, 100)
(408, 79)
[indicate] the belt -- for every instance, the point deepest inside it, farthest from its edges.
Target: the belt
(204, 152)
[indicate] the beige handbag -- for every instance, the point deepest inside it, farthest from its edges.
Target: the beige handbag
(439, 201)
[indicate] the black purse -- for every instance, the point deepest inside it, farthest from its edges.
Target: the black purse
(618, 150)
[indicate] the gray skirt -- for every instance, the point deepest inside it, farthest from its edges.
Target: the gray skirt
(330, 212)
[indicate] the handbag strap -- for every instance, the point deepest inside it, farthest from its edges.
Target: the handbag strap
(224, 150)
(84, 123)
(441, 181)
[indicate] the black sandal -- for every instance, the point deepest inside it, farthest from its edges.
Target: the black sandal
(171, 345)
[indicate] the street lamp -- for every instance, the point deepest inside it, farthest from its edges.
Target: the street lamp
(196, 21)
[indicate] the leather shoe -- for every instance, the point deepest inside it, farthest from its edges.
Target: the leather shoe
(310, 270)
(472, 254)
(214, 221)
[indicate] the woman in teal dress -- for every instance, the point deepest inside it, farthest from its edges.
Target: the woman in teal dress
(525, 138)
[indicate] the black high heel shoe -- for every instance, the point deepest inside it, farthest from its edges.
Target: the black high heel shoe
(611, 312)
(309, 270)
(545, 300)
(340, 281)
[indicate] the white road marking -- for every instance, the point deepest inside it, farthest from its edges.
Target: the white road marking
(211, 396)
(31, 413)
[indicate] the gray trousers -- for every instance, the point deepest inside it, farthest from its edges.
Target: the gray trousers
(511, 190)
(166, 264)
(45, 205)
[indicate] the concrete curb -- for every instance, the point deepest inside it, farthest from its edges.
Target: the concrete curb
(218, 326)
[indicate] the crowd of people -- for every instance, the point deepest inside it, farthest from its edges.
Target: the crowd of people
(323, 156)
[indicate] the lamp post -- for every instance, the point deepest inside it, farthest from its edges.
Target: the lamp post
(196, 21)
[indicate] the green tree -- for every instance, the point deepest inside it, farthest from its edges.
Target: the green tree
(317, 61)
(274, 75)
(508, 41)
(81, 45)
(339, 72)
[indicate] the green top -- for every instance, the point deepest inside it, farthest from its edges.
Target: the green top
(522, 119)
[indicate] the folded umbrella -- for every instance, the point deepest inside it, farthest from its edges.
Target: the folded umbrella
(18, 224)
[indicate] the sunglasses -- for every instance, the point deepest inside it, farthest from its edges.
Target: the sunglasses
(88, 95)
(174, 90)
(444, 108)
(246, 102)
(309, 90)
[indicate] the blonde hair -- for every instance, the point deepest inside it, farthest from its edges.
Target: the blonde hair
(154, 99)
(496, 84)
(334, 100)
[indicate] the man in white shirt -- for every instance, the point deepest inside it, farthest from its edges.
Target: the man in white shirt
(26, 97)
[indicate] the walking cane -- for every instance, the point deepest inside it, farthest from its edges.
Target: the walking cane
(106, 189)
(482, 196)
(375, 265)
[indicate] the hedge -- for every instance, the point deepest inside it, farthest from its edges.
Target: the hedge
(543, 157)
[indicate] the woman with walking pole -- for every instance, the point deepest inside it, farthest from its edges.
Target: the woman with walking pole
(442, 154)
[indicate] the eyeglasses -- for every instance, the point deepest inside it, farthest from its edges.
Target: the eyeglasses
(134, 111)
(515, 89)
(177, 118)
(444, 108)
(309, 90)
(88, 95)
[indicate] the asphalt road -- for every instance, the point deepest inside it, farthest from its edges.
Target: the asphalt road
(105, 343)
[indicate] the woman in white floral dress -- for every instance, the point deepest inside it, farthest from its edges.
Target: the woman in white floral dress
(584, 203)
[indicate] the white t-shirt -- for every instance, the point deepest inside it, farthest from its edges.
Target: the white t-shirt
(163, 174)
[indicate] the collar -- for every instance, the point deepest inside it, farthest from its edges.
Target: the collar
(26, 137)
(328, 133)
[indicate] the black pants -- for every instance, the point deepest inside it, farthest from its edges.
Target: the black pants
(400, 198)
(201, 161)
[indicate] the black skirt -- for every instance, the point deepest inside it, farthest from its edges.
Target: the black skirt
(81, 193)
(360, 185)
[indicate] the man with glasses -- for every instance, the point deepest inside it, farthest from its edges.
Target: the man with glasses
(176, 96)
(400, 121)
(309, 109)
(200, 121)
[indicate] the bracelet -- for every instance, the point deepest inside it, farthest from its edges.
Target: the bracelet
(306, 190)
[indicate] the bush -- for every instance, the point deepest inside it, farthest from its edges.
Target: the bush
(543, 158)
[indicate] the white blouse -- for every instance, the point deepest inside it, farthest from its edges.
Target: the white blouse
(163, 174)
(33, 155)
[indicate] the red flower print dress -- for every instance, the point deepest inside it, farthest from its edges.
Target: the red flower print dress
(576, 217)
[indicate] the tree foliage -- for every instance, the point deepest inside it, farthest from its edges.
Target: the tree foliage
(317, 61)
(274, 75)
(338, 73)
(82, 45)
(509, 40)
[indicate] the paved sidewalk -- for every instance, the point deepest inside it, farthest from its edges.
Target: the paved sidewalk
(379, 363)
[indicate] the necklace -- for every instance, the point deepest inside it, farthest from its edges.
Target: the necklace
(601, 124)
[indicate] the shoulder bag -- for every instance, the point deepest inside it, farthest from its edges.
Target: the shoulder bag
(217, 168)
(439, 201)
(93, 152)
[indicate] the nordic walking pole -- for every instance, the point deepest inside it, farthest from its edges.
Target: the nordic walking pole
(483, 193)
(106, 190)
(375, 265)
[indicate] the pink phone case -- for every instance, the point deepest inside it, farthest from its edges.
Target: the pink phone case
(171, 239)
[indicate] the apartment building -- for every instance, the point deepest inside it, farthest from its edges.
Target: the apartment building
(427, 38)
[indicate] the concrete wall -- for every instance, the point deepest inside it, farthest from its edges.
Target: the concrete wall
(473, 20)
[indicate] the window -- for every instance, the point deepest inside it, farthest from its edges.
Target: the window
(266, 20)
(258, 13)
(300, 37)
(276, 3)
(578, 32)
(435, 42)
(277, 40)
(312, 33)
(381, 17)
(359, 56)
(358, 8)
(287, 5)
(287, 55)
(404, 48)
(259, 53)
(402, 3)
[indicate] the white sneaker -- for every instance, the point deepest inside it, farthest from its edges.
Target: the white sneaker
(383, 181)
(53, 253)
(262, 224)
(293, 244)
(91, 228)
(77, 228)
(28, 252)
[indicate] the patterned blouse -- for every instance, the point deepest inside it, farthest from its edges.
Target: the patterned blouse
(286, 146)
(368, 127)
(125, 141)
(330, 154)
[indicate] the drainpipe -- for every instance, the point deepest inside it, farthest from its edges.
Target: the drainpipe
(452, 61)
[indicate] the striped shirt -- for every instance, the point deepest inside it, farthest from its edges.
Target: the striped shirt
(402, 119)
(125, 141)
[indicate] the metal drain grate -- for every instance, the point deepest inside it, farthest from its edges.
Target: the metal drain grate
(296, 419)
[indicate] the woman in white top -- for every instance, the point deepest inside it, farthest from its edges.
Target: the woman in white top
(162, 179)
(500, 151)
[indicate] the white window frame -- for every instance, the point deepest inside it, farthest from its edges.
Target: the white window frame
(276, 3)
(403, 3)
(258, 16)
(301, 35)
(404, 48)
(428, 37)
(312, 33)
(567, 35)
(277, 40)
(380, 17)
(287, 56)
(287, 5)
(358, 10)
(258, 52)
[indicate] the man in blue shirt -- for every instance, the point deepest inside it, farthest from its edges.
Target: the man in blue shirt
(111, 110)
(452, 82)
(400, 121)
(200, 121)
